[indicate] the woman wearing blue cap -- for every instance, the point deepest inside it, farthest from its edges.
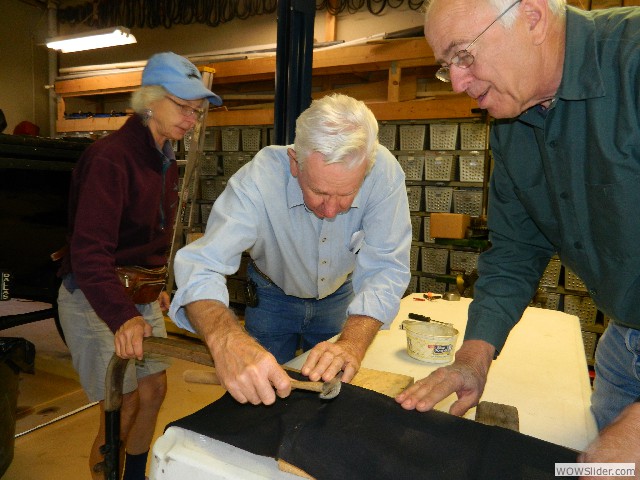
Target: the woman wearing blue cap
(122, 207)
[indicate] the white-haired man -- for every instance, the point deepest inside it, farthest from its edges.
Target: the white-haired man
(564, 85)
(326, 223)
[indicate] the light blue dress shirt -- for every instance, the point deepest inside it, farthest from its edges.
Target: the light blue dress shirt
(262, 211)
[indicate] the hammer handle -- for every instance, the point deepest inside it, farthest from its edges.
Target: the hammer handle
(210, 377)
(310, 386)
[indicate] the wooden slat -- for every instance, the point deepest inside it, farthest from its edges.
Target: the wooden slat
(330, 25)
(393, 99)
(99, 84)
(89, 124)
(439, 107)
(393, 84)
(598, 4)
(376, 91)
(451, 106)
(223, 118)
(374, 56)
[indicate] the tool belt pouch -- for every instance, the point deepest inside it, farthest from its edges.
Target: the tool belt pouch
(143, 285)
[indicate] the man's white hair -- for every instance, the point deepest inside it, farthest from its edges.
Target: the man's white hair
(339, 127)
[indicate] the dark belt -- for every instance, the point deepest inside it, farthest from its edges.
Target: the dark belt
(261, 273)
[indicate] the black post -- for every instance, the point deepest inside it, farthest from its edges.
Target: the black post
(294, 59)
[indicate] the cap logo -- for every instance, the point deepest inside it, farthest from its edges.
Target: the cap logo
(191, 71)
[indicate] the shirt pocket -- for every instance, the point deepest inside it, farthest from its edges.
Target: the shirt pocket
(613, 213)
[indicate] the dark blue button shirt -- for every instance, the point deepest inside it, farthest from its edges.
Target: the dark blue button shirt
(567, 180)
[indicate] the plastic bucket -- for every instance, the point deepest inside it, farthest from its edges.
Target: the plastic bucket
(432, 342)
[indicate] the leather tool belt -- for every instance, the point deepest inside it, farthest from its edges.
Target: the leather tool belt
(143, 285)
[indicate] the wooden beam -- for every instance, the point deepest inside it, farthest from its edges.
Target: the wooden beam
(448, 106)
(99, 84)
(251, 69)
(373, 56)
(358, 58)
(598, 4)
(330, 25)
(375, 91)
(393, 85)
(90, 124)
(427, 109)
(240, 117)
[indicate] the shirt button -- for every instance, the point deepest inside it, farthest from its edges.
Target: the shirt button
(564, 195)
(553, 144)
(593, 292)
(324, 239)
(578, 245)
(322, 279)
(324, 262)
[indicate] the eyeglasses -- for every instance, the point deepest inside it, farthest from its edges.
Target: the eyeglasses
(464, 59)
(188, 111)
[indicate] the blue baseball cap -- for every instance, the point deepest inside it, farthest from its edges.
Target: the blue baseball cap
(178, 76)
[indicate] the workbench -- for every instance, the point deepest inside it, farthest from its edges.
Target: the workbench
(542, 371)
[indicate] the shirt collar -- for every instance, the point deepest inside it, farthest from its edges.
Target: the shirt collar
(294, 192)
(581, 76)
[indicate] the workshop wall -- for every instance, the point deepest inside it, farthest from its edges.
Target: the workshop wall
(25, 59)
(24, 65)
(255, 31)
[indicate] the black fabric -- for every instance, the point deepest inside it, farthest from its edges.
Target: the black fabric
(365, 435)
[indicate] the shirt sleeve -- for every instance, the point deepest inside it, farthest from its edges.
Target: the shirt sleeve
(382, 269)
(201, 267)
(510, 270)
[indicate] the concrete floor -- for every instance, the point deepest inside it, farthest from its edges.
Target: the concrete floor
(53, 398)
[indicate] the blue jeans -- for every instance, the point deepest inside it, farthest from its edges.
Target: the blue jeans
(617, 382)
(283, 323)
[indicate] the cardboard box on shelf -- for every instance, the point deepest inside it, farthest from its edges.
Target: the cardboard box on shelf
(449, 225)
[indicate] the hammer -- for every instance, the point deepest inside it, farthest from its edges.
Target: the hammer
(326, 390)
(173, 348)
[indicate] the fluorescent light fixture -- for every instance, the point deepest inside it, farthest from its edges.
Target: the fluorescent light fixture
(108, 37)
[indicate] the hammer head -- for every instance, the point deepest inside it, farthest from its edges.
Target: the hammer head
(331, 389)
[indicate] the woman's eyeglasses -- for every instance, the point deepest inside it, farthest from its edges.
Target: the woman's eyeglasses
(189, 111)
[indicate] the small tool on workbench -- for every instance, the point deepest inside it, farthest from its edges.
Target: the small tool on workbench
(326, 390)
(431, 296)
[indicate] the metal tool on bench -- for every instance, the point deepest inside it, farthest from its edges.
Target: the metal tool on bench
(326, 390)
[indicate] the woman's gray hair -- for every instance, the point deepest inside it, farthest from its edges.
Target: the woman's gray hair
(557, 7)
(142, 98)
(339, 127)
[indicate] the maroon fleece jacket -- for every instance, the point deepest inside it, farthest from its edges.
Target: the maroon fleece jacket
(122, 205)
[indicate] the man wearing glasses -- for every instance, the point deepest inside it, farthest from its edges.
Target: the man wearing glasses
(564, 85)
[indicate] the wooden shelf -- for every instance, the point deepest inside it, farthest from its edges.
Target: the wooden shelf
(384, 74)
